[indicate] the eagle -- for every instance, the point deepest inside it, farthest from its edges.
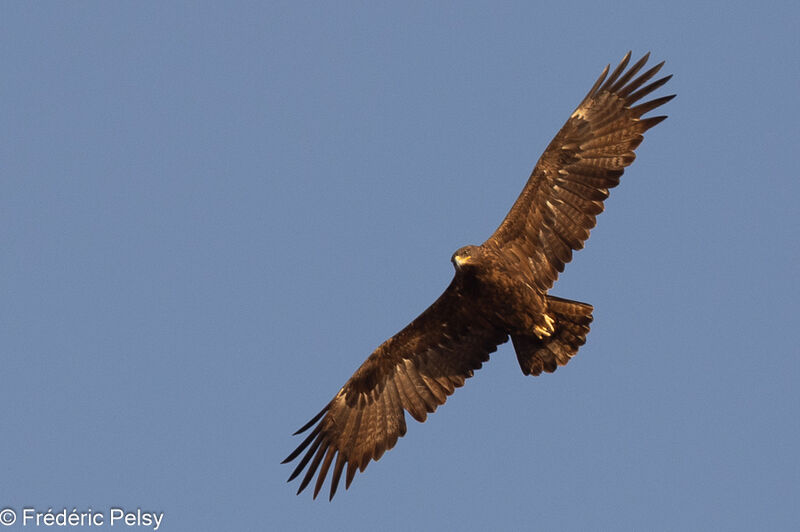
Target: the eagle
(499, 290)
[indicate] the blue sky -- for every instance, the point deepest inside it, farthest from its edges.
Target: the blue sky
(211, 214)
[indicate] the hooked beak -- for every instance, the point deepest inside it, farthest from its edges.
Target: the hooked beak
(460, 260)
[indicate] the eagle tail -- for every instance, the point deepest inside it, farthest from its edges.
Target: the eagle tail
(570, 327)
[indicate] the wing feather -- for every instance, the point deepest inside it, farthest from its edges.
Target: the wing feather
(565, 192)
(337, 473)
(414, 371)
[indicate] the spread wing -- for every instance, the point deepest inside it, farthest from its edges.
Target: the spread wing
(565, 192)
(413, 371)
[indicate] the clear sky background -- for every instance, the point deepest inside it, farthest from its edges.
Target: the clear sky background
(211, 214)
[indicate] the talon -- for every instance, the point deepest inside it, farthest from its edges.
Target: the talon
(547, 330)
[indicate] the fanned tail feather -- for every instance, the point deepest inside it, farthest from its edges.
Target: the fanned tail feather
(572, 320)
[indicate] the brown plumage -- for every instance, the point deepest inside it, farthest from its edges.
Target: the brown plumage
(499, 288)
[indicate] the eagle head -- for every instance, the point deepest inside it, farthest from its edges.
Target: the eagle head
(466, 256)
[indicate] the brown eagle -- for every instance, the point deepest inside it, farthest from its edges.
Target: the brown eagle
(499, 288)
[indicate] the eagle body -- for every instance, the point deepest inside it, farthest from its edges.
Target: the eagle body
(545, 330)
(496, 286)
(500, 289)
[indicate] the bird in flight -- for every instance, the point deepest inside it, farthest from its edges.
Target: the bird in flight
(499, 290)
